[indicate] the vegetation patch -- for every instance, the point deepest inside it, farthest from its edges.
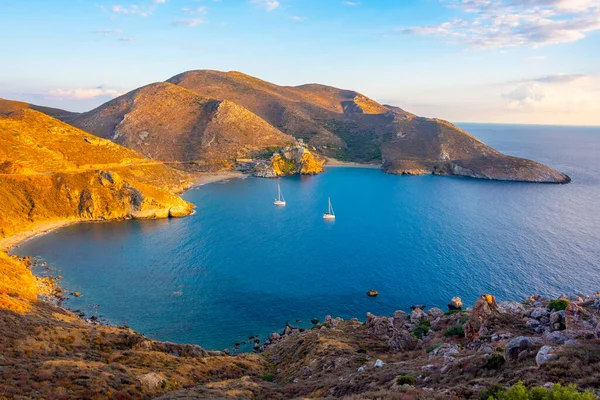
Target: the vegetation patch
(422, 329)
(495, 361)
(556, 392)
(406, 380)
(456, 330)
(558, 305)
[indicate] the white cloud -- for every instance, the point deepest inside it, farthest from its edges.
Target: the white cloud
(515, 23)
(159, 1)
(297, 18)
(189, 22)
(269, 5)
(351, 3)
(565, 93)
(195, 10)
(80, 94)
(131, 10)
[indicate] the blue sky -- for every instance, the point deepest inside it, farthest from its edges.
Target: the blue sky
(515, 61)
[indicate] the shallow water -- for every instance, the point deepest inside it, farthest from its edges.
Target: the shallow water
(241, 266)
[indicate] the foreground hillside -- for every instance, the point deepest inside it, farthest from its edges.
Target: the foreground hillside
(48, 352)
(212, 118)
(52, 173)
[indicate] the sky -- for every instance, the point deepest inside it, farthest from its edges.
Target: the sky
(506, 61)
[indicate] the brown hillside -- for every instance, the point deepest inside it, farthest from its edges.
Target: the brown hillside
(170, 123)
(348, 125)
(51, 172)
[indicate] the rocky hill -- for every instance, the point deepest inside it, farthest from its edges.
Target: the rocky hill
(170, 123)
(51, 172)
(211, 118)
(347, 125)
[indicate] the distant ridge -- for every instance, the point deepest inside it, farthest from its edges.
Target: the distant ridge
(215, 117)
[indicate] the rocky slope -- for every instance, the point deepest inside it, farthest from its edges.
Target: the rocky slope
(170, 123)
(347, 125)
(50, 171)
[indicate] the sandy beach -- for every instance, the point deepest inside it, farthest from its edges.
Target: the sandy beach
(332, 162)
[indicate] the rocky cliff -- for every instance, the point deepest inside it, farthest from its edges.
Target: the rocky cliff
(293, 160)
(51, 172)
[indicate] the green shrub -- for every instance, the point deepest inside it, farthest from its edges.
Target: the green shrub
(557, 392)
(495, 361)
(491, 392)
(432, 348)
(558, 305)
(422, 329)
(406, 380)
(455, 331)
(268, 378)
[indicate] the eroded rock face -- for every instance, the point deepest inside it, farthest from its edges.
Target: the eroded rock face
(521, 347)
(291, 160)
(402, 340)
(545, 355)
(483, 309)
(558, 320)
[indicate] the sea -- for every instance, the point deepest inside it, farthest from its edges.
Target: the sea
(242, 267)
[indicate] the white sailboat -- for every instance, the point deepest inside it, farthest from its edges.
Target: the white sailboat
(279, 201)
(330, 214)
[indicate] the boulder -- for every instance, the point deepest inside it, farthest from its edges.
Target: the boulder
(399, 319)
(402, 340)
(538, 312)
(455, 304)
(417, 315)
(545, 355)
(512, 307)
(558, 320)
(446, 351)
(378, 326)
(434, 313)
(478, 323)
(274, 336)
(520, 347)
(151, 381)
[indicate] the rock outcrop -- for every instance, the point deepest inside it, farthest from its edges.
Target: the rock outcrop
(292, 160)
(478, 323)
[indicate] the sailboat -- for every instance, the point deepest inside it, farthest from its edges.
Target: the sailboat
(329, 214)
(279, 201)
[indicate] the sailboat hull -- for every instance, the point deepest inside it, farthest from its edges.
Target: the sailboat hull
(328, 216)
(279, 203)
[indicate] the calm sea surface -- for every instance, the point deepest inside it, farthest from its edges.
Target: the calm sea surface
(242, 267)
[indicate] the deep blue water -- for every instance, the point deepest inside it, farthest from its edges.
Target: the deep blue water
(241, 266)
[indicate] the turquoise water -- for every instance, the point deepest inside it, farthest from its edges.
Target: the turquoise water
(242, 267)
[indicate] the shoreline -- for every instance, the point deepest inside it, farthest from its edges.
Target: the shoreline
(9, 243)
(332, 162)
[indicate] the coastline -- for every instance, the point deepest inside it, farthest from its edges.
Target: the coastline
(333, 163)
(9, 243)
(203, 178)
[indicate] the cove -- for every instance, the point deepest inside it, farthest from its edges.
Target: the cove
(241, 266)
